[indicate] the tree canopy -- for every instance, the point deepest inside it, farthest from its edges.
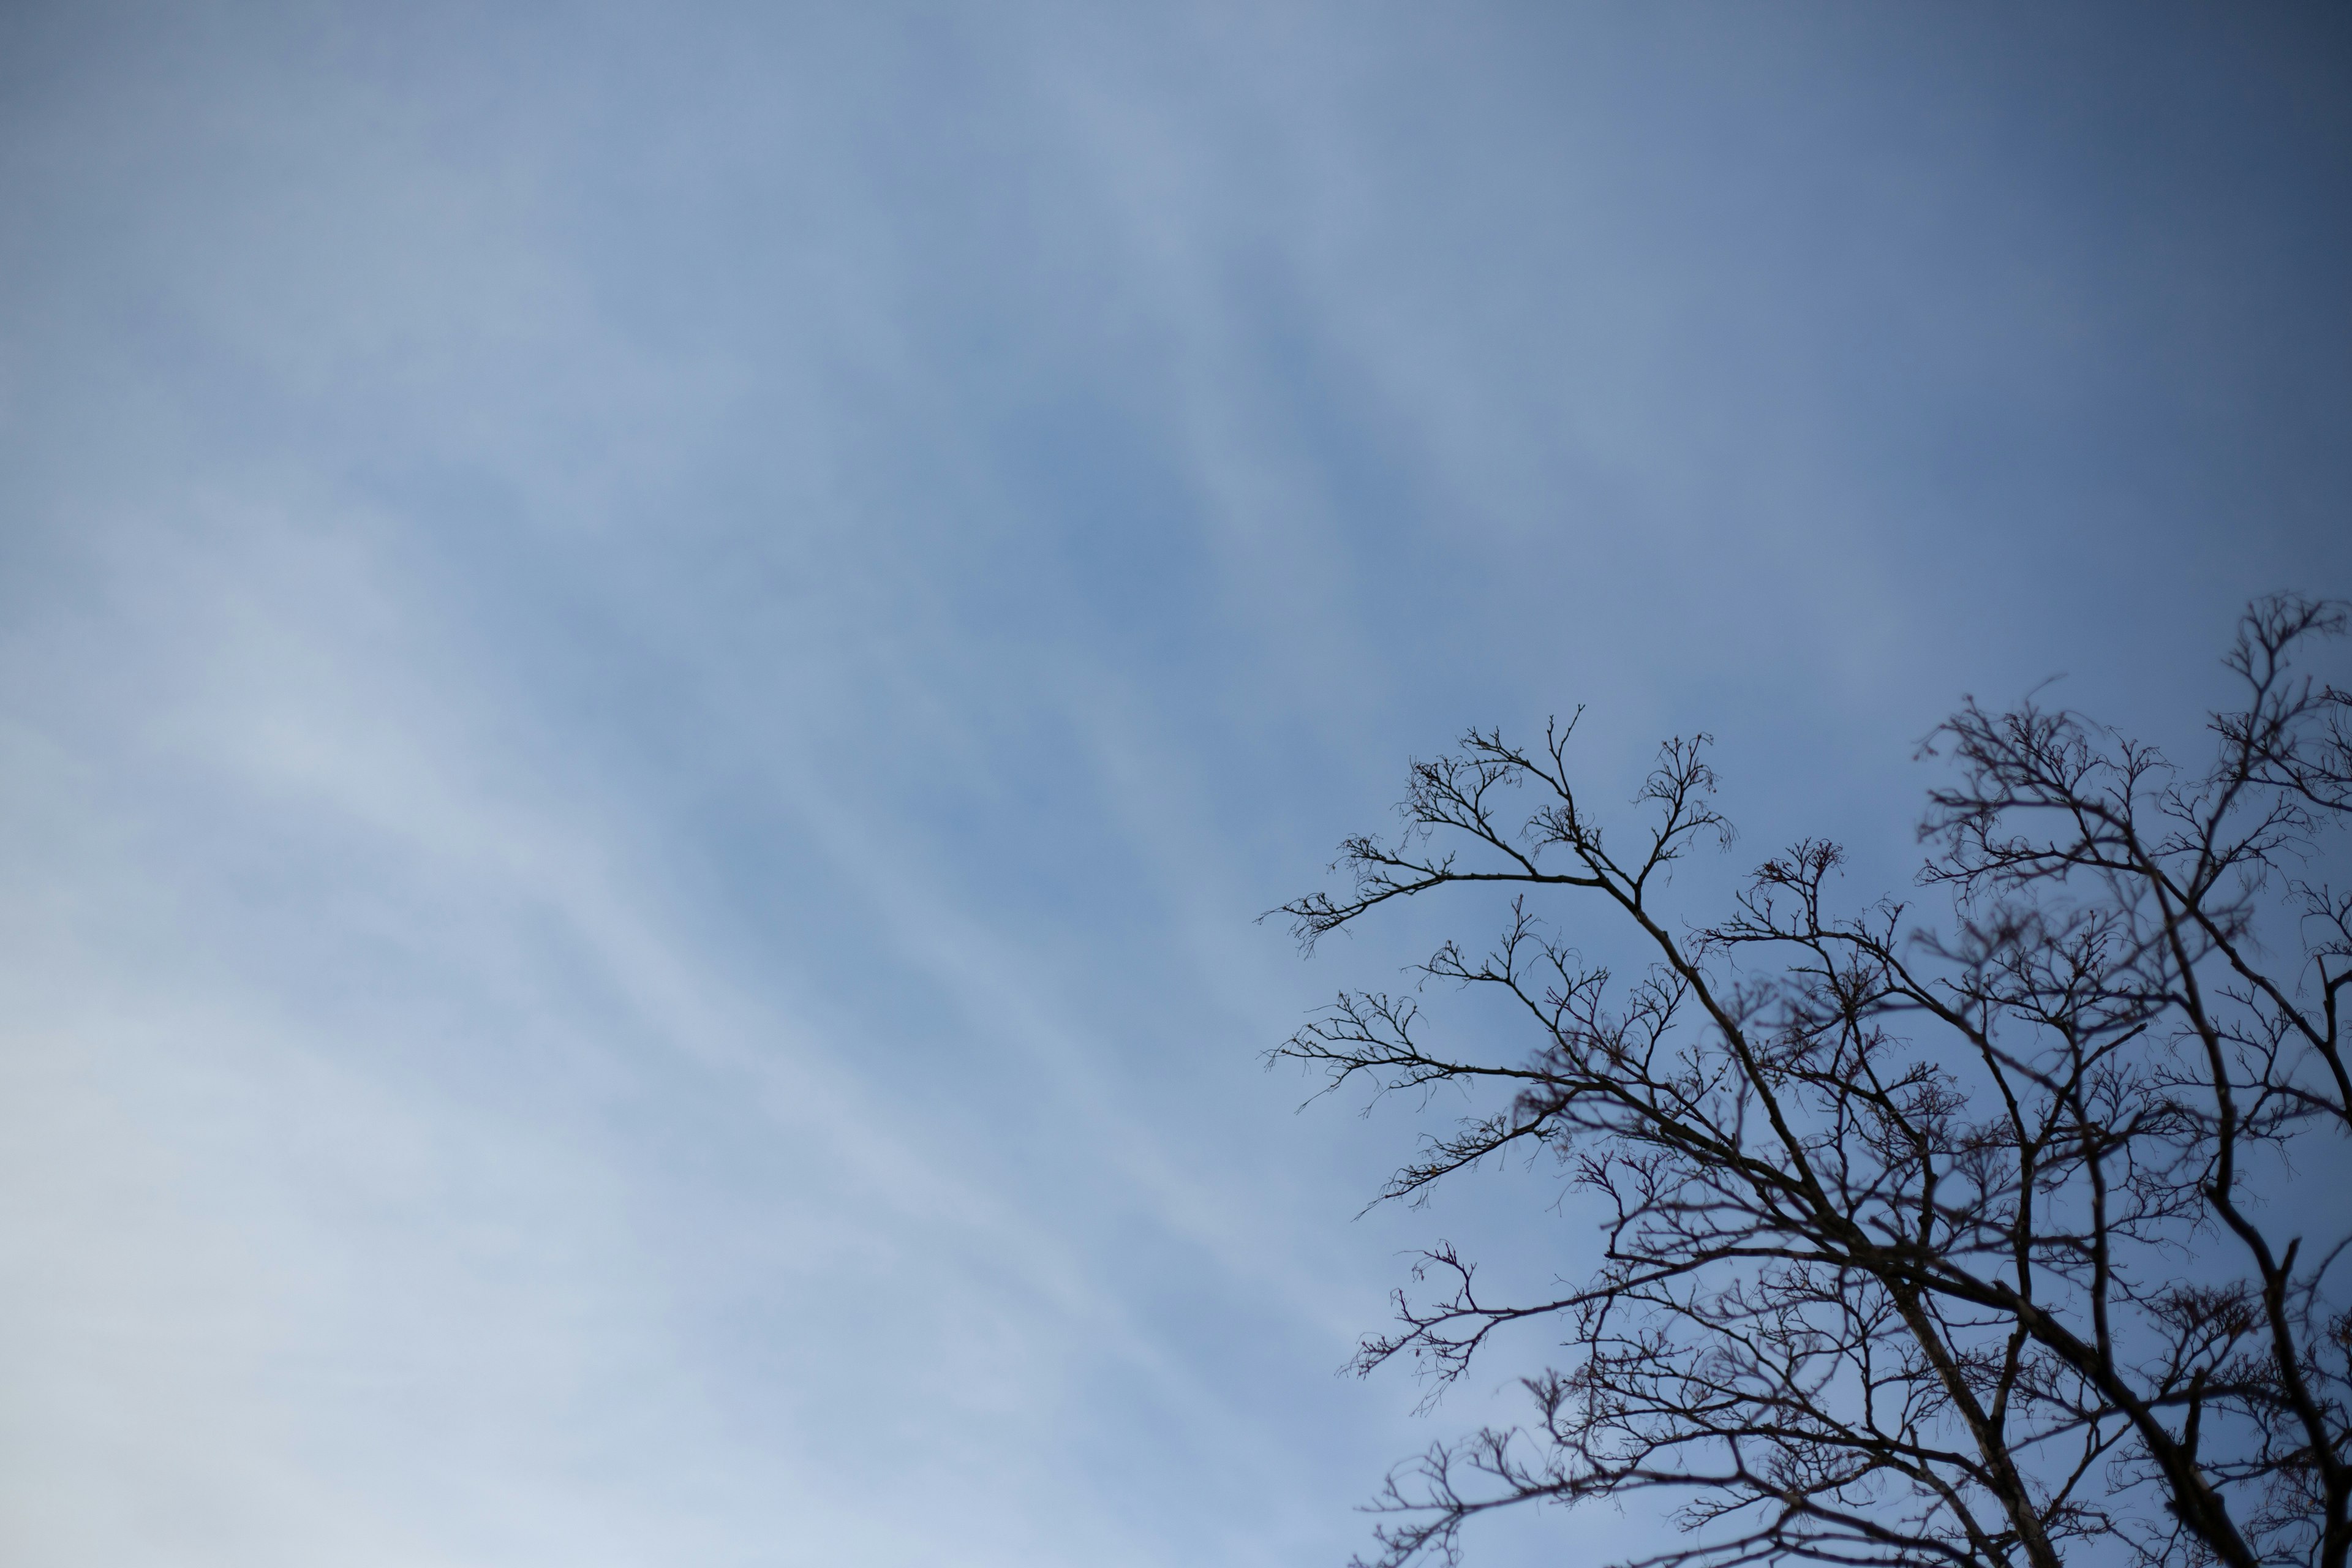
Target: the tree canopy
(1947, 1232)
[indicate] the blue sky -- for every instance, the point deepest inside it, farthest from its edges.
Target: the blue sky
(652, 661)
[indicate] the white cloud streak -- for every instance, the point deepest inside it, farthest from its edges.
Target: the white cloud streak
(650, 667)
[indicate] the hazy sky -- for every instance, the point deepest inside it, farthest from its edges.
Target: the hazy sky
(653, 660)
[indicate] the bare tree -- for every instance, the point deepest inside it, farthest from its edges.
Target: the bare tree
(1954, 1243)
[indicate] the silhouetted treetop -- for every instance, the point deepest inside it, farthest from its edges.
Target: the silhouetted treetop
(1978, 1238)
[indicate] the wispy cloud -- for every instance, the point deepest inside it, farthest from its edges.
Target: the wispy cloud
(651, 666)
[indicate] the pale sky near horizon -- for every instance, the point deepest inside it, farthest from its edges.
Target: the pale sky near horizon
(654, 662)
